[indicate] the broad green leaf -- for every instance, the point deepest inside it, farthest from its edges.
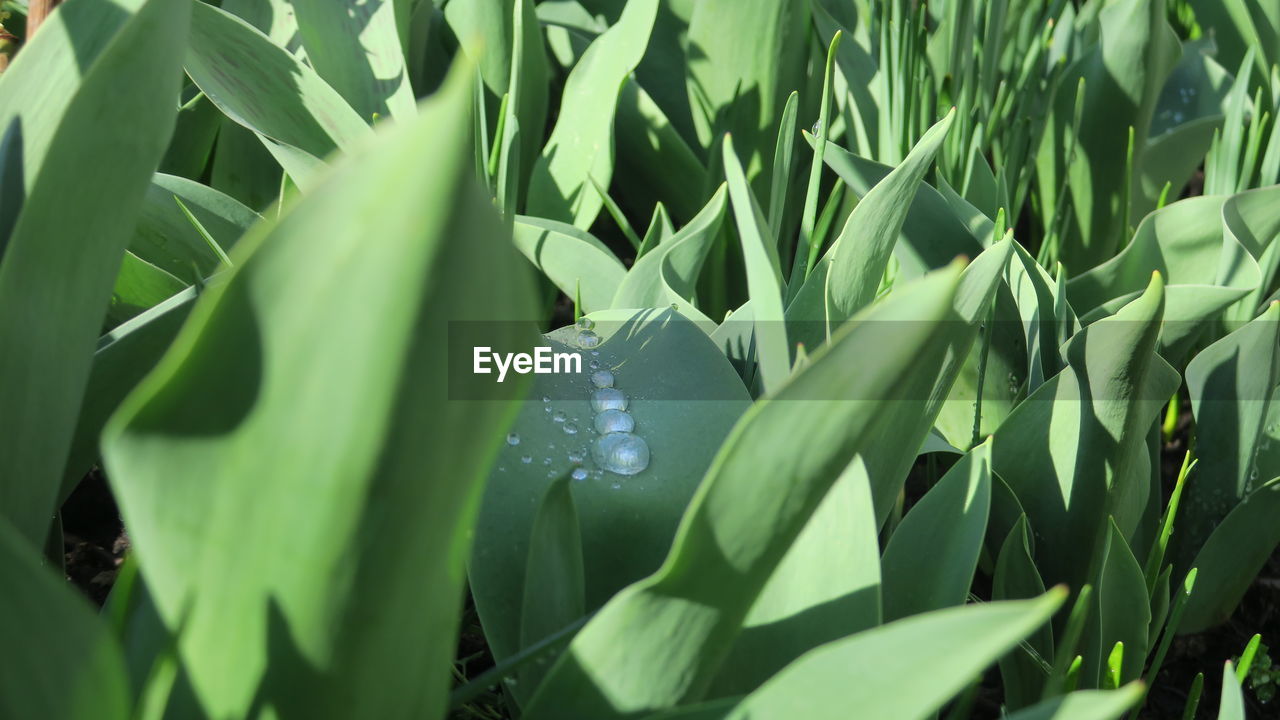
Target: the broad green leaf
(654, 163)
(932, 234)
(1076, 449)
(1123, 74)
(212, 452)
(64, 662)
(578, 264)
(259, 85)
(744, 59)
(581, 144)
(554, 589)
(243, 168)
(870, 233)
(139, 285)
(89, 137)
(355, 47)
(1085, 705)
(659, 642)
(193, 135)
(1205, 271)
(124, 356)
(165, 237)
(905, 670)
(1230, 384)
(683, 396)
(527, 90)
(1016, 578)
(1250, 226)
(1240, 24)
(764, 275)
(826, 587)
(932, 555)
(1232, 557)
(1122, 615)
(669, 273)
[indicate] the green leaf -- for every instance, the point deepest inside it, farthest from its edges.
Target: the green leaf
(1085, 705)
(581, 144)
(764, 275)
(346, 413)
(70, 664)
(296, 115)
(1076, 451)
(86, 136)
(124, 356)
(356, 48)
(683, 396)
(1232, 557)
(1205, 271)
(573, 259)
(554, 589)
(932, 555)
(659, 642)
(826, 587)
(139, 286)
(669, 272)
(744, 59)
(857, 265)
(1015, 578)
(906, 669)
(165, 237)
(1231, 703)
(1122, 616)
(1123, 74)
(1230, 384)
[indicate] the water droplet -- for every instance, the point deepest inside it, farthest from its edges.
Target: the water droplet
(546, 399)
(594, 364)
(616, 486)
(621, 453)
(608, 399)
(595, 353)
(513, 439)
(558, 416)
(576, 457)
(614, 421)
(570, 429)
(546, 461)
(551, 473)
(817, 128)
(602, 379)
(587, 339)
(578, 474)
(585, 323)
(526, 459)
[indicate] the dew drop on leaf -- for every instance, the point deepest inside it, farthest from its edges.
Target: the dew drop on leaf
(621, 453)
(614, 421)
(608, 399)
(602, 379)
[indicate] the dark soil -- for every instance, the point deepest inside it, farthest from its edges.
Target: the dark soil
(93, 538)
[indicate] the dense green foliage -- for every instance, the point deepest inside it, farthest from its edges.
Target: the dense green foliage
(906, 300)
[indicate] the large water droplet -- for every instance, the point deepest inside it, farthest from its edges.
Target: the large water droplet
(614, 421)
(587, 339)
(608, 399)
(513, 439)
(602, 379)
(621, 453)
(579, 474)
(585, 323)
(817, 128)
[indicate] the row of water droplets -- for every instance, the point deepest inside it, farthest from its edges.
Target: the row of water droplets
(617, 448)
